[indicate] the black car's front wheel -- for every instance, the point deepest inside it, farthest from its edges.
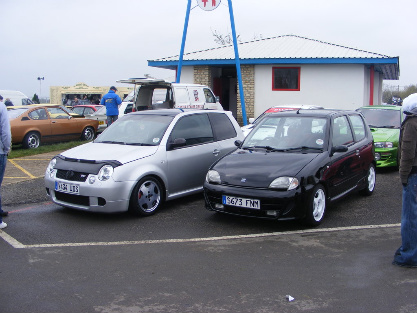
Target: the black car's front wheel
(370, 181)
(316, 206)
(146, 197)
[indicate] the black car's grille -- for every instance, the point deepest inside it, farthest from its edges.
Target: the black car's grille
(74, 199)
(71, 175)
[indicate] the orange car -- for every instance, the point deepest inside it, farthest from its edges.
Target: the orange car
(31, 124)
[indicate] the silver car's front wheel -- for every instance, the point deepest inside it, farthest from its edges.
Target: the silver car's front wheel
(147, 197)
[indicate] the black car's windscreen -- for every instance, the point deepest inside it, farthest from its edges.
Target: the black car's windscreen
(146, 130)
(287, 132)
(382, 118)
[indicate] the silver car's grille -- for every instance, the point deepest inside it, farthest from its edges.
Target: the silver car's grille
(71, 175)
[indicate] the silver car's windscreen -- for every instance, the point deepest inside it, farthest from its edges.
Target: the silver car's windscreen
(142, 130)
(288, 132)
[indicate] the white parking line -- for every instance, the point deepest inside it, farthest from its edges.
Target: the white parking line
(18, 245)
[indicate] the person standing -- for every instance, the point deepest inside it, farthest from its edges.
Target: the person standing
(406, 255)
(5, 145)
(112, 101)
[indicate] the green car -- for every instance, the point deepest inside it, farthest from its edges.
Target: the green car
(385, 122)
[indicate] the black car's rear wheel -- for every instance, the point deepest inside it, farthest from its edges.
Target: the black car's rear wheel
(147, 197)
(316, 206)
(370, 182)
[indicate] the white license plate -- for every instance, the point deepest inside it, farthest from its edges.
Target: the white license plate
(242, 202)
(67, 188)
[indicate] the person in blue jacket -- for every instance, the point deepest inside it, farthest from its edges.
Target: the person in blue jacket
(112, 101)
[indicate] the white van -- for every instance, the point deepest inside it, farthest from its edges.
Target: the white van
(17, 97)
(158, 94)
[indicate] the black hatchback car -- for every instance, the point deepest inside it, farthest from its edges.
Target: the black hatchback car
(292, 164)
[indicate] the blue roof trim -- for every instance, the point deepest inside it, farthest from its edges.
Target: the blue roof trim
(170, 64)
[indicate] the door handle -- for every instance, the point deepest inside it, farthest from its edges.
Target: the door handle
(216, 152)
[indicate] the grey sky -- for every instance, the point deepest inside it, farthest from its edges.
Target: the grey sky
(100, 41)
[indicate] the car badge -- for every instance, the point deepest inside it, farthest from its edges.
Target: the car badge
(243, 180)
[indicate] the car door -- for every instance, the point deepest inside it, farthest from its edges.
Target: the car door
(38, 119)
(188, 165)
(363, 144)
(344, 167)
(63, 127)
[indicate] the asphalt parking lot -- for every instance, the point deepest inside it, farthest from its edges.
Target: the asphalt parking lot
(187, 259)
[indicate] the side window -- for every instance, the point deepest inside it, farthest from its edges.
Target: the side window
(57, 113)
(209, 96)
(358, 127)
(39, 114)
(342, 134)
(195, 129)
(222, 126)
(88, 111)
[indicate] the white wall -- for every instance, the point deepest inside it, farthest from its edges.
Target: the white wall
(339, 86)
(187, 75)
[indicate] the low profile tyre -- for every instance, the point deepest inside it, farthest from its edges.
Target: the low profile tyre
(147, 197)
(370, 181)
(316, 206)
(88, 133)
(32, 140)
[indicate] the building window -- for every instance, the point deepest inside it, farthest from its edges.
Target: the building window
(286, 78)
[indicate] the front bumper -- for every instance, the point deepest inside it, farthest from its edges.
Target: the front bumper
(385, 157)
(274, 204)
(106, 197)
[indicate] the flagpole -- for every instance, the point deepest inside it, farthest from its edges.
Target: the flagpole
(184, 36)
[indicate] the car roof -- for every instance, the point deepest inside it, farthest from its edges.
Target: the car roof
(383, 107)
(314, 112)
(172, 112)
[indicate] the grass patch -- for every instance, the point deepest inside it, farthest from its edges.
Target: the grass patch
(18, 151)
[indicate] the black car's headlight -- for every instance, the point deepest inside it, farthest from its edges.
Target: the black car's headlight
(286, 183)
(105, 172)
(213, 177)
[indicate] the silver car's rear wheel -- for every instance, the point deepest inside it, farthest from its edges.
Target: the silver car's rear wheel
(147, 197)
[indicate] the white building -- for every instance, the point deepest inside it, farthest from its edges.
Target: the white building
(288, 70)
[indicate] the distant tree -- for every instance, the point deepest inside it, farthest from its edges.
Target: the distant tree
(224, 39)
(389, 93)
(35, 99)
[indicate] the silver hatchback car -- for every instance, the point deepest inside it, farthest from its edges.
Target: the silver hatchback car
(142, 160)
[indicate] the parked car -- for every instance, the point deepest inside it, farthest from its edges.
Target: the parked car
(385, 123)
(142, 160)
(31, 125)
(100, 115)
(85, 109)
(292, 165)
(278, 108)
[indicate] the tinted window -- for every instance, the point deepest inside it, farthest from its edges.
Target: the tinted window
(342, 134)
(222, 126)
(195, 129)
(382, 118)
(209, 96)
(358, 127)
(39, 114)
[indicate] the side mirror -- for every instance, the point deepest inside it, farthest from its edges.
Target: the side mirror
(177, 143)
(238, 143)
(338, 149)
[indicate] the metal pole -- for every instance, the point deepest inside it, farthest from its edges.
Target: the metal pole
(184, 36)
(239, 74)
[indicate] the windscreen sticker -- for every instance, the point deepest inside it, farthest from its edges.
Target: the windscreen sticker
(319, 142)
(155, 140)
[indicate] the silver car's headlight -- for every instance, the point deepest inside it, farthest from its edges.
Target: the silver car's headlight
(51, 167)
(288, 183)
(105, 172)
(213, 177)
